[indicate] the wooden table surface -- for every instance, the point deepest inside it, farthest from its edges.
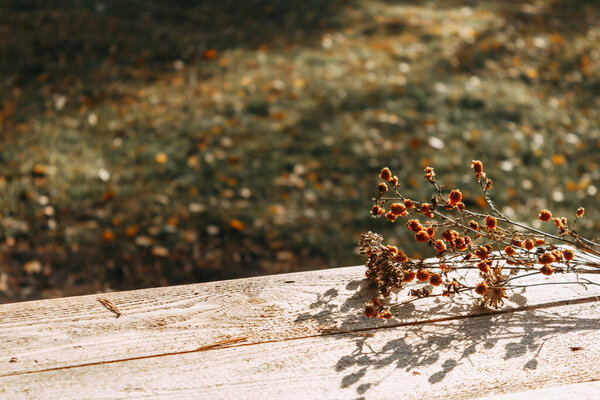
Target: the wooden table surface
(301, 336)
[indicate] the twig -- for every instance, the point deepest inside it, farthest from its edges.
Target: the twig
(110, 305)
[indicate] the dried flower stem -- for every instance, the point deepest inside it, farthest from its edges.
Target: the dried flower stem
(490, 243)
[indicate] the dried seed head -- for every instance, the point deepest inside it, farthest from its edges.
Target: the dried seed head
(449, 235)
(544, 215)
(390, 216)
(422, 236)
(385, 174)
(477, 167)
(435, 279)
(429, 174)
(382, 188)
(546, 258)
(409, 276)
(398, 209)
(401, 257)
(481, 288)
(509, 251)
(473, 225)
(376, 210)
(409, 203)
(385, 314)
(491, 222)
(425, 208)
(455, 196)
(370, 312)
(516, 242)
(422, 275)
(540, 241)
(430, 230)
(483, 267)
(439, 245)
(529, 245)
(580, 212)
(568, 254)
(547, 270)
(414, 225)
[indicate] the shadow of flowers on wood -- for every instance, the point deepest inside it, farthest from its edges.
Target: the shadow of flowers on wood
(436, 337)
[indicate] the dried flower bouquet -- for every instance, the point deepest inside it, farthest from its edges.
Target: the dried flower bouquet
(501, 250)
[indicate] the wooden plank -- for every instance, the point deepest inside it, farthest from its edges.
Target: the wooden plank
(579, 391)
(455, 359)
(43, 335)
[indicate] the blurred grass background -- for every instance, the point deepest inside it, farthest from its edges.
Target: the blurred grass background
(145, 143)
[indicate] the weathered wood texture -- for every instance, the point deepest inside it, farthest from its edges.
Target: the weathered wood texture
(299, 335)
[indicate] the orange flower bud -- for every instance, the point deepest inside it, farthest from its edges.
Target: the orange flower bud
(422, 236)
(385, 174)
(455, 196)
(435, 280)
(422, 275)
(481, 288)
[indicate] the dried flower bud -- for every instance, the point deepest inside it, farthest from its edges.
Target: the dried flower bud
(483, 267)
(558, 255)
(394, 180)
(477, 167)
(439, 245)
(409, 203)
(491, 222)
(516, 242)
(398, 209)
(376, 210)
(481, 288)
(409, 276)
(509, 251)
(544, 215)
(430, 230)
(460, 243)
(568, 254)
(546, 258)
(529, 244)
(401, 257)
(370, 312)
(422, 275)
(482, 253)
(488, 184)
(390, 216)
(435, 279)
(414, 225)
(422, 236)
(385, 174)
(461, 206)
(455, 196)
(474, 225)
(382, 188)
(540, 241)
(580, 212)
(449, 235)
(385, 314)
(547, 270)
(429, 174)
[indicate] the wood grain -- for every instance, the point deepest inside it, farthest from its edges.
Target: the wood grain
(454, 359)
(180, 341)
